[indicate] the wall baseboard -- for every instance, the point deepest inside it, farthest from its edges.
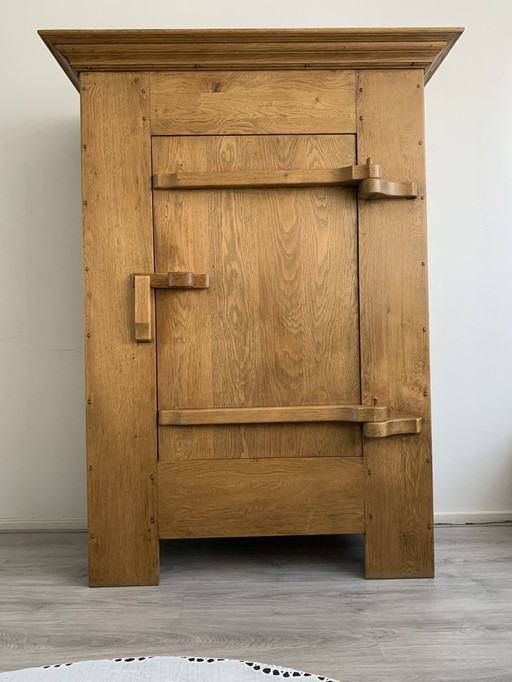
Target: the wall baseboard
(42, 525)
(463, 518)
(80, 525)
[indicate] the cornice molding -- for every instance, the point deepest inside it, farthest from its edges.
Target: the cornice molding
(249, 49)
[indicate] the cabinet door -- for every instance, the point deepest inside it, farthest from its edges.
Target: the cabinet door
(278, 325)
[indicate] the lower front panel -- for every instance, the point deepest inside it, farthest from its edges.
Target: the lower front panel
(255, 497)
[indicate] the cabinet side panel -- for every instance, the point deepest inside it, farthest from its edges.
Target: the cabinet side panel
(394, 327)
(120, 374)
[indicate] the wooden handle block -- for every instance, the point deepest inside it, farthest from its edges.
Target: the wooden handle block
(268, 415)
(143, 316)
(176, 280)
(392, 427)
(180, 280)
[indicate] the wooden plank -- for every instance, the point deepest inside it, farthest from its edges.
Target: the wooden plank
(230, 103)
(251, 49)
(279, 324)
(269, 415)
(392, 427)
(394, 329)
(260, 497)
(117, 220)
(316, 177)
(143, 308)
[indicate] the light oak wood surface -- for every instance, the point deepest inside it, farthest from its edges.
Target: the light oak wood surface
(248, 497)
(250, 49)
(120, 374)
(394, 329)
(279, 324)
(253, 102)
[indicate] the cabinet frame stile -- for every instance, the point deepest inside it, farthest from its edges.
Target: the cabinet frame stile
(121, 426)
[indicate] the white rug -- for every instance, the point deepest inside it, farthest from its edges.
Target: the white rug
(162, 669)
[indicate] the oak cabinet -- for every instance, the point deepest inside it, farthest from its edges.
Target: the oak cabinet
(255, 273)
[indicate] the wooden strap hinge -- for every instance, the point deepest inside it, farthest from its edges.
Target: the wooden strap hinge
(377, 188)
(392, 427)
(271, 415)
(374, 418)
(367, 176)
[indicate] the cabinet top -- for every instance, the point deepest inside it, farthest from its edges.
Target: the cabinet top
(249, 49)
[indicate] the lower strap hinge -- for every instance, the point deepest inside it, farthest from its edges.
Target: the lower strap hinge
(392, 427)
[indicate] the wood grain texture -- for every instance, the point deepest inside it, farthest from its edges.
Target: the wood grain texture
(331, 177)
(120, 374)
(252, 102)
(392, 427)
(251, 49)
(262, 415)
(279, 324)
(394, 329)
(260, 497)
(143, 308)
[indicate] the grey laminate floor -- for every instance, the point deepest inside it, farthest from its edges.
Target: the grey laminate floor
(300, 602)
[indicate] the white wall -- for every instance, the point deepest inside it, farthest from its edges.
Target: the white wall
(469, 142)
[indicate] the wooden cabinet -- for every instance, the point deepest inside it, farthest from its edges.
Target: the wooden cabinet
(255, 266)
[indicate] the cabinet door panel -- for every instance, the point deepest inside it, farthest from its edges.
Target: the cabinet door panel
(279, 324)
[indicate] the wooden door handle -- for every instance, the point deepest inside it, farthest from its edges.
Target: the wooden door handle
(143, 282)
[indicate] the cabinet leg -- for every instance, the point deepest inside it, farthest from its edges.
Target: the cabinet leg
(399, 538)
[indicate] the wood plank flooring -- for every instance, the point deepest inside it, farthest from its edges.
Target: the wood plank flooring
(300, 601)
